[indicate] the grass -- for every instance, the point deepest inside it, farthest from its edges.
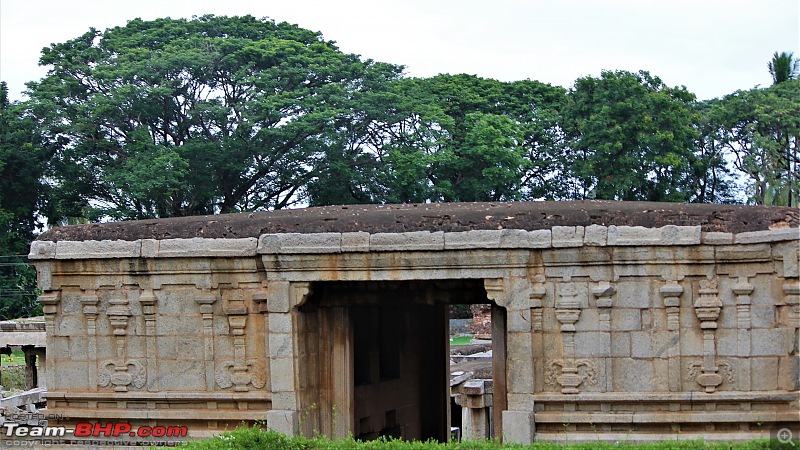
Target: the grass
(257, 438)
(16, 357)
(460, 340)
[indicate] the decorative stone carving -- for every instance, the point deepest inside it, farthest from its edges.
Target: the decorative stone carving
(604, 293)
(89, 302)
(743, 289)
(568, 312)
(707, 308)
(538, 292)
(568, 374)
(124, 372)
(122, 375)
(671, 292)
(709, 379)
(228, 375)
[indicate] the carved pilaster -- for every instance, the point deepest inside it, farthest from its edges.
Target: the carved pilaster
(206, 301)
(671, 293)
(604, 294)
(120, 373)
(538, 292)
(90, 301)
(147, 300)
(707, 308)
(50, 301)
(568, 312)
(238, 373)
(742, 289)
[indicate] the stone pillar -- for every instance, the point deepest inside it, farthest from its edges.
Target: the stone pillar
(671, 293)
(31, 377)
(283, 297)
(50, 301)
(475, 400)
(514, 294)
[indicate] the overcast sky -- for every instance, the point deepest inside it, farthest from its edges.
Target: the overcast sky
(713, 47)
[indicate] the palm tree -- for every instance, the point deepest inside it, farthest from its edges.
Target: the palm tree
(783, 67)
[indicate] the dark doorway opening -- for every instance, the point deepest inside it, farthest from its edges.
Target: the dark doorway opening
(383, 349)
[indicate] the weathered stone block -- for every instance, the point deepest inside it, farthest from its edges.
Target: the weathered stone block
(414, 240)
(716, 238)
(97, 249)
(764, 372)
(620, 344)
(762, 316)
(42, 250)
(595, 235)
(280, 323)
(207, 247)
(518, 427)
(593, 344)
(626, 319)
(567, 236)
(355, 242)
(754, 237)
(166, 347)
(472, 239)
(519, 320)
(181, 375)
(770, 342)
(633, 375)
(789, 373)
(149, 248)
(280, 345)
(310, 243)
(525, 239)
(667, 235)
(281, 374)
(727, 342)
(283, 422)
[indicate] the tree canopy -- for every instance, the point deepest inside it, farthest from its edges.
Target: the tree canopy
(176, 117)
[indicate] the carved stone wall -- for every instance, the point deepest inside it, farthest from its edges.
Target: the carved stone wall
(610, 331)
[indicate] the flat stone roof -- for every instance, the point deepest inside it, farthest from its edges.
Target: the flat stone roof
(448, 217)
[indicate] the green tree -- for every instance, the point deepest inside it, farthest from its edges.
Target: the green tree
(783, 67)
(631, 138)
(23, 195)
(760, 129)
(446, 138)
(177, 117)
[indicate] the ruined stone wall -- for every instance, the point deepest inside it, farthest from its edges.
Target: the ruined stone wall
(611, 331)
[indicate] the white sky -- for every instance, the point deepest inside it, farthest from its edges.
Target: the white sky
(713, 47)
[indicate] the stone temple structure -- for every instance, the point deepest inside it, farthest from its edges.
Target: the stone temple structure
(610, 320)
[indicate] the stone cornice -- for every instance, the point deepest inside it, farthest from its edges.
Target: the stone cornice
(362, 242)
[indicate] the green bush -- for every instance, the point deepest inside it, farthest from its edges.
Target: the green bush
(13, 378)
(259, 438)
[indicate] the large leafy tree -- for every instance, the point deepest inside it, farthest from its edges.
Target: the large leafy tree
(760, 129)
(449, 138)
(23, 195)
(631, 138)
(180, 117)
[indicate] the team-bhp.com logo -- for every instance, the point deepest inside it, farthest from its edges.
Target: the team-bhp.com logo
(94, 430)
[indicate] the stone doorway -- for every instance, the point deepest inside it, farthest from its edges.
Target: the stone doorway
(378, 354)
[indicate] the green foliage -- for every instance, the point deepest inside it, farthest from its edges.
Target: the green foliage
(632, 138)
(12, 378)
(783, 67)
(760, 128)
(23, 167)
(258, 438)
(177, 117)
